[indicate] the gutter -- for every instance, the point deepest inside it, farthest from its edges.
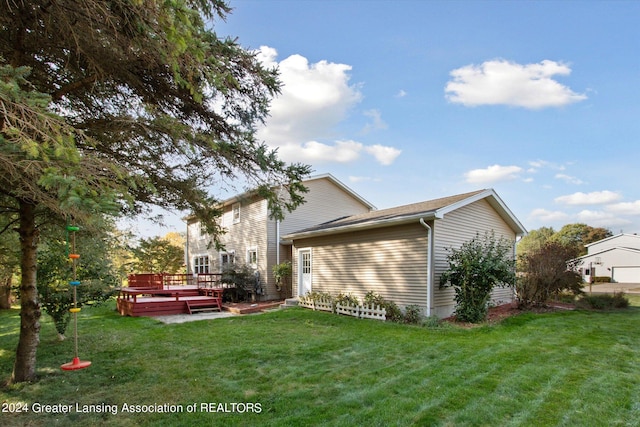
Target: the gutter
(429, 264)
(365, 225)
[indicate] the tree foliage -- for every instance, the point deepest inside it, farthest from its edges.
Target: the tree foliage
(157, 255)
(475, 269)
(112, 106)
(577, 235)
(548, 271)
(94, 270)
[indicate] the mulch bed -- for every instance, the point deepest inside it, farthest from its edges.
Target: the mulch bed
(501, 312)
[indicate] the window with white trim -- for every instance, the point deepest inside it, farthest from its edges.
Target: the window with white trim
(235, 212)
(252, 257)
(201, 264)
(227, 258)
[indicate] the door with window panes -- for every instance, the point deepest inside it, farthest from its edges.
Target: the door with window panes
(304, 272)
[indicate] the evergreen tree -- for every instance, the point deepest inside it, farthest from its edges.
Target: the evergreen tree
(112, 106)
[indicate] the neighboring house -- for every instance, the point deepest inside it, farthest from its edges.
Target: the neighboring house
(253, 238)
(399, 253)
(616, 257)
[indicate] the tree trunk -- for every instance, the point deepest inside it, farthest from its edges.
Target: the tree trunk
(24, 368)
(5, 293)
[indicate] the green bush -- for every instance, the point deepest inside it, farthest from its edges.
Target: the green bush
(394, 313)
(243, 278)
(548, 272)
(371, 298)
(604, 301)
(412, 314)
(347, 299)
(318, 296)
(475, 269)
(282, 273)
(602, 279)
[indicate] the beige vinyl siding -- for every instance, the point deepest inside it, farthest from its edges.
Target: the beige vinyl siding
(198, 242)
(249, 233)
(324, 202)
(390, 261)
(456, 228)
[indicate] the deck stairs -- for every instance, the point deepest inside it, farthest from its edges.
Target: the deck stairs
(205, 305)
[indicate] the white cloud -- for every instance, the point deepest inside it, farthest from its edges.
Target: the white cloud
(625, 208)
(313, 151)
(501, 82)
(547, 216)
(376, 121)
(384, 155)
(401, 94)
(314, 99)
(600, 219)
(544, 164)
(593, 198)
(569, 179)
(492, 174)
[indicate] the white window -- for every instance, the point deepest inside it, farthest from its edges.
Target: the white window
(227, 258)
(252, 257)
(201, 264)
(235, 210)
(306, 263)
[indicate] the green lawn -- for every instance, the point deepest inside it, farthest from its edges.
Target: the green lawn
(301, 367)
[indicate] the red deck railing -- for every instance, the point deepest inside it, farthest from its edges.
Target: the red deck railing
(164, 280)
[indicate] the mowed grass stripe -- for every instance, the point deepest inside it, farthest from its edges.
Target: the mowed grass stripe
(314, 368)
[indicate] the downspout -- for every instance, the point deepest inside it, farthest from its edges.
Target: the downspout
(277, 241)
(186, 250)
(429, 265)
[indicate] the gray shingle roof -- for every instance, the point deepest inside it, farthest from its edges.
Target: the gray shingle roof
(389, 215)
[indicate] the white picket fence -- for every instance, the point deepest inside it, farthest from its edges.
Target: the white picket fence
(321, 304)
(359, 311)
(362, 311)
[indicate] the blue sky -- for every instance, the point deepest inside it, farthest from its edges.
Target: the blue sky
(406, 101)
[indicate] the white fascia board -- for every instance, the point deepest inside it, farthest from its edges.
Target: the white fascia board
(496, 202)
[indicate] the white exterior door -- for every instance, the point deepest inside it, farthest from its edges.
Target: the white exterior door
(304, 271)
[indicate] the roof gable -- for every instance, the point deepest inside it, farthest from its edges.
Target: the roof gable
(343, 187)
(616, 237)
(430, 209)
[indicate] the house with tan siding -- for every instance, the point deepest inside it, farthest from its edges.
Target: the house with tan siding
(399, 253)
(252, 237)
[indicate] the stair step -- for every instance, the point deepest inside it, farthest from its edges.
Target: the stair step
(289, 302)
(197, 310)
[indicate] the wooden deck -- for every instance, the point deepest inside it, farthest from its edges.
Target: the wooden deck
(168, 300)
(165, 294)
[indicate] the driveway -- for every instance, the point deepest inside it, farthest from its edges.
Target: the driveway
(609, 288)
